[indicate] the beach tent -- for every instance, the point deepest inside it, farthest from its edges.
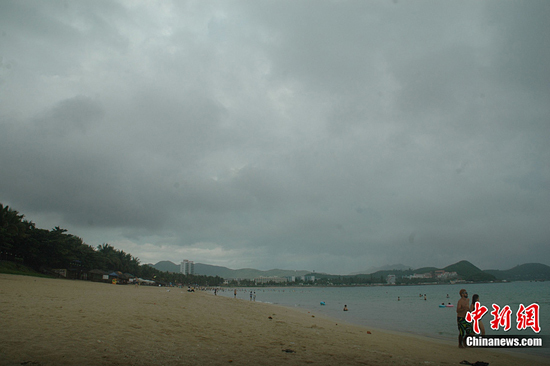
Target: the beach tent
(98, 275)
(117, 277)
(123, 278)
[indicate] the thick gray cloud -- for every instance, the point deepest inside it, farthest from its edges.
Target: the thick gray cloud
(331, 136)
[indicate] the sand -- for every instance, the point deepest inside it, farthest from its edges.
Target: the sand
(65, 322)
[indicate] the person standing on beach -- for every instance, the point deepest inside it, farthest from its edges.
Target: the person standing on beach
(235, 293)
(475, 299)
(250, 295)
(464, 327)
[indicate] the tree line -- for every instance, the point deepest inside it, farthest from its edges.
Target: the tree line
(43, 250)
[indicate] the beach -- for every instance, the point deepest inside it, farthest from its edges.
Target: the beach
(65, 322)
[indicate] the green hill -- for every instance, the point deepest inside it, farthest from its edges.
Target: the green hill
(465, 270)
(166, 266)
(425, 270)
(523, 272)
(469, 272)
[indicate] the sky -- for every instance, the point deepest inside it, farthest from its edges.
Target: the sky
(331, 136)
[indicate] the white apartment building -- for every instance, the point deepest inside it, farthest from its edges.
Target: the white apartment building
(263, 279)
(187, 267)
(308, 278)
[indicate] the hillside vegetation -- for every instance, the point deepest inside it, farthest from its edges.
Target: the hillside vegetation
(469, 272)
(523, 272)
(32, 250)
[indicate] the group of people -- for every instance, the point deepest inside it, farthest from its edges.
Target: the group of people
(462, 308)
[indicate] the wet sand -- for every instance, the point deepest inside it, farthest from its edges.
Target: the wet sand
(64, 322)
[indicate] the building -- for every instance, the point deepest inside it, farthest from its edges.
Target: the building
(308, 278)
(187, 267)
(446, 275)
(263, 280)
(419, 276)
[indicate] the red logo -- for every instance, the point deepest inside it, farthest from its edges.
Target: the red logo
(526, 317)
(501, 317)
(475, 316)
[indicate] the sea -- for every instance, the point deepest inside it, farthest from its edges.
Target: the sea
(413, 309)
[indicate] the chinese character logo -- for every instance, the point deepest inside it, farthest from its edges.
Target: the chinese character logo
(501, 317)
(528, 317)
(475, 316)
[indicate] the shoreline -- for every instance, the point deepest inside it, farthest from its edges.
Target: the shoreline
(337, 300)
(403, 333)
(68, 322)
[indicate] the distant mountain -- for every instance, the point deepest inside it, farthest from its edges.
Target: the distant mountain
(210, 270)
(469, 272)
(425, 270)
(244, 273)
(227, 273)
(465, 270)
(166, 266)
(383, 268)
(524, 272)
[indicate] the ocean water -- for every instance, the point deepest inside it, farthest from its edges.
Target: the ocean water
(378, 306)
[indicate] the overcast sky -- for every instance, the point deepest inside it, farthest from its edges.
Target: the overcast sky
(332, 136)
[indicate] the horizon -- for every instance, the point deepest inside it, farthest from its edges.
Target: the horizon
(333, 136)
(353, 273)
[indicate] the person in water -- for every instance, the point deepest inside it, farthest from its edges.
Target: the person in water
(345, 308)
(464, 327)
(475, 299)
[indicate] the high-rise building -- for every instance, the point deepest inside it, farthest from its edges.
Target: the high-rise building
(187, 267)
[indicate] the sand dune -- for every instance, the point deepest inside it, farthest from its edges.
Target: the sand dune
(64, 322)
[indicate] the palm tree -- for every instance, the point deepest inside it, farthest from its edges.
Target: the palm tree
(111, 259)
(13, 231)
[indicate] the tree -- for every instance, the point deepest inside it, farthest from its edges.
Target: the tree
(12, 227)
(55, 248)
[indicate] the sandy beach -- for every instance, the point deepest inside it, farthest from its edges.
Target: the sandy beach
(64, 322)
